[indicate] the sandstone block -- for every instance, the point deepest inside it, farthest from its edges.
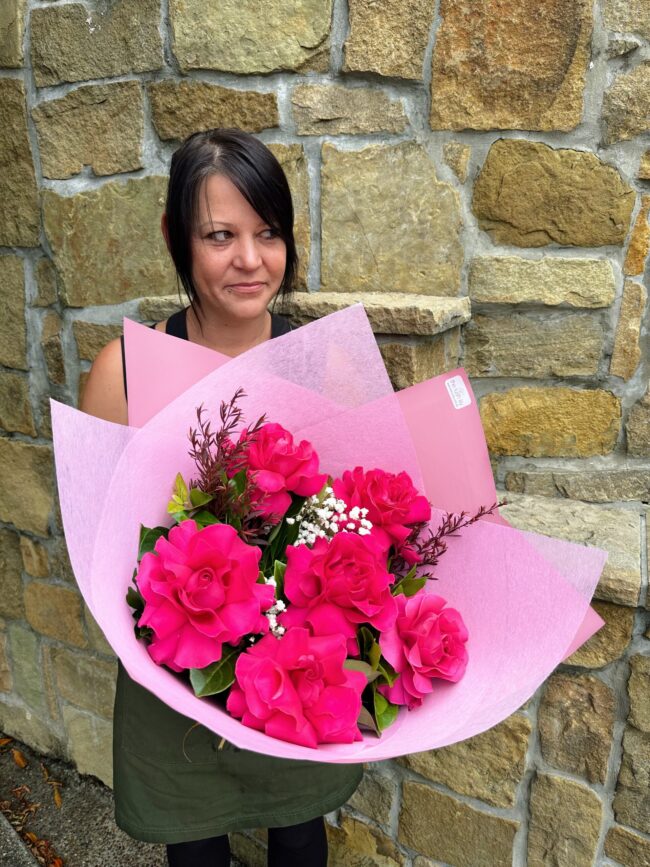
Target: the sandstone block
(609, 643)
(387, 223)
(92, 338)
(637, 428)
(530, 345)
(576, 724)
(375, 797)
(35, 557)
(510, 70)
(27, 666)
(60, 566)
(619, 47)
(552, 281)
(56, 612)
(234, 37)
(89, 744)
(627, 350)
(53, 349)
(531, 195)
(551, 422)
(13, 338)
(15, 409)
(627, 16)
(594, 486)
(95, 635)
(12, 27)
(449, 830)
(6, 680)
(644, 167)
(388, 313)
(457, 156)
(388, 37)
(180, 108)
(29, 727)
(408, 363)
(294, 163)
(157, 309)
(637, 251)
(638, 689)
(488, 766)
(626, 847)
(247, 850)
(626, 105)
(615, 530)
(334, 110)
(46, 282)
(355, 843)
(564, 824)
(72, 43)
(11, 583)
(86, 231)
(100, 126)
(85, 681)
(632, 799)
(28, 485)
(20, 215)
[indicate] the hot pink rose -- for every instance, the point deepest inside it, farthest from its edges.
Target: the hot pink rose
(200, 591)
(279, 466)
(338, 584)
(426, 642)
(392, 501)
(296, 689)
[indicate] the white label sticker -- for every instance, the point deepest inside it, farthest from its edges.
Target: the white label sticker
(458, 392)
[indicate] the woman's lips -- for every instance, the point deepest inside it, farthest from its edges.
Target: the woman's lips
(246, 287)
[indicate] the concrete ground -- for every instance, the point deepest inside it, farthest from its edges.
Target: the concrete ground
(81, 832)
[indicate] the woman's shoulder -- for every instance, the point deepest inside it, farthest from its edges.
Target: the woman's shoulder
(103, 394)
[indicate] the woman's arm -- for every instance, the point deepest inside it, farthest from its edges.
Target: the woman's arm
(103, 395)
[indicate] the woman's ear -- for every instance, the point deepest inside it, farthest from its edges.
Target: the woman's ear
(164, 228)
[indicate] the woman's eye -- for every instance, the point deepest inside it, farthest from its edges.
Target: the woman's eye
(219, 235)
(270, 233)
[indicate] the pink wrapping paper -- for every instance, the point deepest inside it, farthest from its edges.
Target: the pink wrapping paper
(524, 597)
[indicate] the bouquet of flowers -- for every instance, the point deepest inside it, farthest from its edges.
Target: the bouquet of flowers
(362, 630)
(299, 596)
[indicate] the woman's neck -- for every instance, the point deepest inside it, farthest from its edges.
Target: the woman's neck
(229, 339)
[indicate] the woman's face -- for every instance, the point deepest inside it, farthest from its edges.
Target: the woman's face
(238, 260)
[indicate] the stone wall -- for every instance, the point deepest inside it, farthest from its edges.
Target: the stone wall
(441, 153)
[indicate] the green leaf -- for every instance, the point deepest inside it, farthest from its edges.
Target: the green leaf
(365, 640)
(409, 586)
(279, 568)
(385, 712)
(180, 490)
(387, 672)
(134, 600)
(238, 481)
(365, 720)
(148, 538)
(363, 667)
(199, 497)
(216, 677)
(205, 519)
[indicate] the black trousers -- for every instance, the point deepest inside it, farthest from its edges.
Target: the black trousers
(293, 846)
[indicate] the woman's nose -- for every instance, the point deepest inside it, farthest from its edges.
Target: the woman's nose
(247, 254)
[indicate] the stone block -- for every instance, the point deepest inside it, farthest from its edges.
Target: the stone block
(6, 680)
(92, 338)
(335, 110)
(85, 230)
(28, 485)
(157, 309)
(100, 126)
(637, 428)
(13, 337)
(15, 408)
(632, 799)
(552, 280)
(610, 642)
(626, 105)
(234, 37)
(531, 195)
(11, 582)
(53, 348)
(576, 725)
(626, 354)
(638, 690)
(294, 163)
(644, 167)
(388, 224)
(489, 766)
(72, 43)
(619, 47)
(180, 108)
(375, 797)
(551, 422)
(12, 28)
(96, 637)
(637, 251)
(28, 726)
(627, 16)
(533, 345)
(415, 361)
(20, 213)
(355, 844)
(626, 847)
(388, 37)
(84, 680)
(388, 313)
(441, 827)
(27, 666)
(247, 850)
(594, 486)
(456, 155)
(89, 744)
(615, 530)
(564, 825)
(510, 69)
(56, 612)
(46, 282)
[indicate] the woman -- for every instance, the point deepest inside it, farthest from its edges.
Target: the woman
(228, 225)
